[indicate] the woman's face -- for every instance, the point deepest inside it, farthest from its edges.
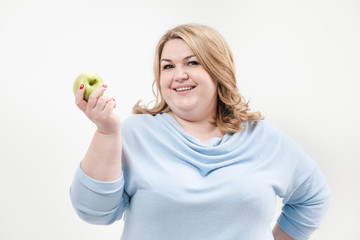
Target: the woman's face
(186, 87)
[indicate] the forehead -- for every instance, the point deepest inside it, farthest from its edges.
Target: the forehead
(176, 48)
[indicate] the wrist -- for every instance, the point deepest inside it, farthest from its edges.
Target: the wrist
(111, 133)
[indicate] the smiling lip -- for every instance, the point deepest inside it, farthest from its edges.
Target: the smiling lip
(181, 89)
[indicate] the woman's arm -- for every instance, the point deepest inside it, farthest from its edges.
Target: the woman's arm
(97, 191)
(305, 205)
(280, 234)
(103, 158)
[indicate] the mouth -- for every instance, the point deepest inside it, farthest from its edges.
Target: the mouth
(183, 89)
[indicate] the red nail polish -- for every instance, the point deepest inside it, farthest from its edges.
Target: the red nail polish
(113, 99)
(104, 86)
(81, 86)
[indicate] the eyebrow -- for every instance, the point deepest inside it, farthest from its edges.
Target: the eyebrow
(169, 60)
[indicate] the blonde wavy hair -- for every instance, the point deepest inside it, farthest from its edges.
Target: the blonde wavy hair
(214, 54)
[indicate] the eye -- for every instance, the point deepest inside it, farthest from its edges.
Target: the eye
(193, 63)
(168, 66)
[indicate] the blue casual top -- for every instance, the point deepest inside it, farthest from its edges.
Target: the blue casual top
(175, 187)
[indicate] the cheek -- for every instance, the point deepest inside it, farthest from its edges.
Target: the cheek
(213, 85)
(164, 88)
(164, 82)
(162, 85)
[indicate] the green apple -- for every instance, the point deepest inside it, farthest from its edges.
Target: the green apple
(90, 80)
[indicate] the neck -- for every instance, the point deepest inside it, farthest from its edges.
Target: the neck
(203, 130)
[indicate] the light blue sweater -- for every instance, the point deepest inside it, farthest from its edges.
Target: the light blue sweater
(175, 187)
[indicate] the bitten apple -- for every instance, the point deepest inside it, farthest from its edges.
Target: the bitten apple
(90, 80)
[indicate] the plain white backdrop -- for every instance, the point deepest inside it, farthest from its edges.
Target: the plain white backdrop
(297, 61)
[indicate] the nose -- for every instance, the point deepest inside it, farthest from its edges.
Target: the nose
(180, 74)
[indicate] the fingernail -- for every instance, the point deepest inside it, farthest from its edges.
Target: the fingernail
(81, 86)
(104, 86)
(114, 99)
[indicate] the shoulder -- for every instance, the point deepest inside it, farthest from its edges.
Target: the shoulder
(279, 146)
(136, 127)
(142, 124)
(260, 128)
(263, 132)
(136, 119)
(266, 128)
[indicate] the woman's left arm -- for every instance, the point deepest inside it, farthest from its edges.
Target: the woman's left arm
(280, 234)
(305, 206)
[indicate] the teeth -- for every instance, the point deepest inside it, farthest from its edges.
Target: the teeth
(183, 89)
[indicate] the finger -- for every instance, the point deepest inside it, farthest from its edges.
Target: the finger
(114, 102)
(93, 98)
(109, 107)
(79, 98)
(101, 103)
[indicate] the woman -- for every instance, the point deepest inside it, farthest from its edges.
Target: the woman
(198, 164)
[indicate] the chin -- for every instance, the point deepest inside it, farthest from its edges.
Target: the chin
(179, 110)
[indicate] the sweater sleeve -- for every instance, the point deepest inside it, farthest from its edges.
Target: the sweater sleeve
(98, 202)
(305, 206)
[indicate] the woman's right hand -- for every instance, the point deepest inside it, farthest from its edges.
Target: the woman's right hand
(99, 109)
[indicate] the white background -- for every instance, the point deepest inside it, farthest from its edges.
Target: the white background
(297, 61)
